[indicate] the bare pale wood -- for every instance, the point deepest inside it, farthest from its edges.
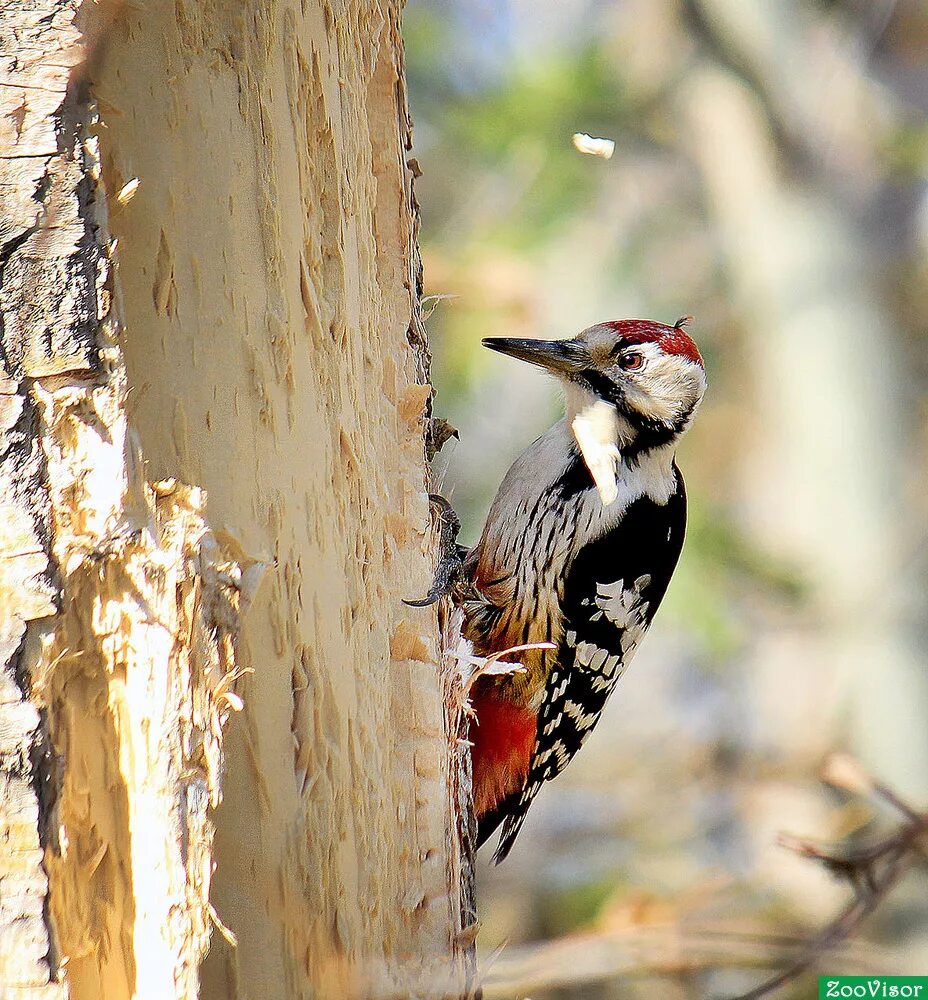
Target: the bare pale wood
(215, 398)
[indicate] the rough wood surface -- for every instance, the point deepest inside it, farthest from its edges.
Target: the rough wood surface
(120, 611)
(262, 345)
(39, 337)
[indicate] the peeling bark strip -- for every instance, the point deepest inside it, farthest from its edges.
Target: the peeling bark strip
(118, 612)
(138, 676)
(255, 156)
(34, 57)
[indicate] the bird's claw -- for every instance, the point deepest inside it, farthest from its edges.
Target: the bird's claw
(448, 571)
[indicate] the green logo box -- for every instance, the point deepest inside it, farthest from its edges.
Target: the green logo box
(875, 987)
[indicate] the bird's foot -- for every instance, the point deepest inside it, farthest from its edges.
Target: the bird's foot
(448, 574)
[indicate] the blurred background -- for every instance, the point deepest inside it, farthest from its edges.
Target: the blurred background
(769, 178)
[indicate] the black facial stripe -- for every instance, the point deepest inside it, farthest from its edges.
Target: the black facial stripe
(604, 387)
(649, 433)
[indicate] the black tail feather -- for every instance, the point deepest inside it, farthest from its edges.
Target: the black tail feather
(510, 812)
(511, 827)
(489, 822)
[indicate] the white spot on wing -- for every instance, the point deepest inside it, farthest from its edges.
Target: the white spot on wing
(582, 720)
(585, 653)
(622, 605)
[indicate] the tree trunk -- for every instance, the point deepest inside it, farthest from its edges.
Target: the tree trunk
(215, 498)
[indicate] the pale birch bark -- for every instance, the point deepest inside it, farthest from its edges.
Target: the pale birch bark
(215, 498)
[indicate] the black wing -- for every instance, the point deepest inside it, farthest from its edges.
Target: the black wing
(611, 593)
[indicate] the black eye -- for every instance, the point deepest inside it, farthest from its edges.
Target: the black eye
(631, 361)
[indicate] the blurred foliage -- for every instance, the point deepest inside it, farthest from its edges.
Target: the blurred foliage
(527, 126)
(722, 564)
(759, 147)
(513, 130)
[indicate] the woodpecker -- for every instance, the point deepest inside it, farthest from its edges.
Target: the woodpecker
(577, 551)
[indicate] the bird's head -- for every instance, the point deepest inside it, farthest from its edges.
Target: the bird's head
(651, 373)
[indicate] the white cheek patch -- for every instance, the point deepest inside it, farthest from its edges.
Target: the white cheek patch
(596, 429)
(667, 388)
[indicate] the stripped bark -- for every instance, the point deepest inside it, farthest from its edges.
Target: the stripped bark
(262, 349)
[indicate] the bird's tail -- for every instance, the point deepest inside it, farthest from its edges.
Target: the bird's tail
(511, 827)
(510, 812)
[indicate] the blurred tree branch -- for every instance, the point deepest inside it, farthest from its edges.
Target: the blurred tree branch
(872, 870)
(784, 51)
(656, 950)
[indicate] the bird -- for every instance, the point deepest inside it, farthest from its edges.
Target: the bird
(576, 553)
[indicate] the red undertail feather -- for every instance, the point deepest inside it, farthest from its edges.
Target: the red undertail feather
(503, 737)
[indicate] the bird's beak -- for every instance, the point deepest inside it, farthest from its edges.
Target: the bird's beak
(561, 356)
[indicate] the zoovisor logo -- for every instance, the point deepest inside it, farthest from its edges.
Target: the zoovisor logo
(878, 987)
